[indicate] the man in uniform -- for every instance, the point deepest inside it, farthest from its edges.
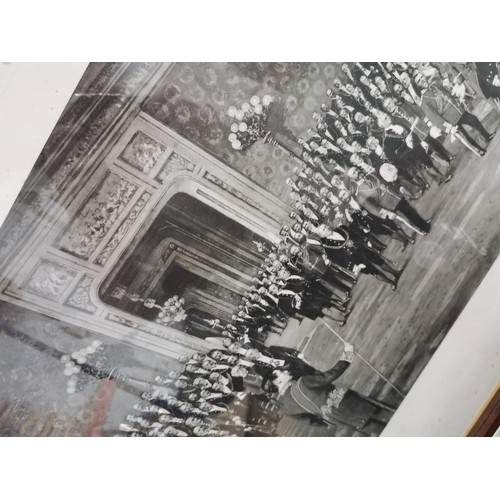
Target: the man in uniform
(316, 396)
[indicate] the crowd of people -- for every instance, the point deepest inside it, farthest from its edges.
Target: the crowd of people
(376, 147)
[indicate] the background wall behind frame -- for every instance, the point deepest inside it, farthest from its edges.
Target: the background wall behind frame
(455, 384)
(32, 98)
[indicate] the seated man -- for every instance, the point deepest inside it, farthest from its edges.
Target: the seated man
(317, 397)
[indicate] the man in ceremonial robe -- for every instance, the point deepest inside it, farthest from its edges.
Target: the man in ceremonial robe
(317, 396)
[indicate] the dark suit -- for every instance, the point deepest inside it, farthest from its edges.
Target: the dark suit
(440, 107)
(486, 72)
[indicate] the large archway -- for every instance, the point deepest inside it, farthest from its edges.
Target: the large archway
(191, 251)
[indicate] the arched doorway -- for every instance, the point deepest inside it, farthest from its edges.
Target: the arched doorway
(191, 251)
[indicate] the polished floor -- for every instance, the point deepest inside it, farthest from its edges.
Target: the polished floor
(398, 331)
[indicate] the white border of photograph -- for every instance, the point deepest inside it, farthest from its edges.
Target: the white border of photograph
(444, 400)
(455, 384)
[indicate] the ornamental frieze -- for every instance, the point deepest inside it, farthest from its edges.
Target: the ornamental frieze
(154, 331)
(175, 163)
(142, 152)
(123, 229)
(80, 298)
(98, 214)
(239, 195)
(50, 280)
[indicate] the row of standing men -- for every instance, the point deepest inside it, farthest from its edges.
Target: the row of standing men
(377, 146)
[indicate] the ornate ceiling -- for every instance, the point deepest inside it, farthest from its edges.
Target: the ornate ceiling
(194, 97)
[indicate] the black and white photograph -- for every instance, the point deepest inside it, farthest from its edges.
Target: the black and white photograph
(246, 249)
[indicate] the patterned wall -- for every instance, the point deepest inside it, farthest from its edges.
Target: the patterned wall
(195, 96)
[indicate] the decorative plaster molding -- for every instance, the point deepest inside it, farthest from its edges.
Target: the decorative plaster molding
(240, 196)
(80, 297)
(123, 228)
(95, 218)
(175, 163)
(50, 280)
(142, 152)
